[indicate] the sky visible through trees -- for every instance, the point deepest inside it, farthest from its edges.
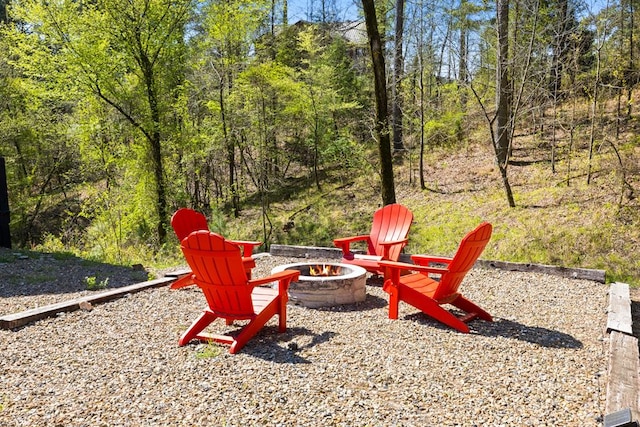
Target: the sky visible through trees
(349, 10)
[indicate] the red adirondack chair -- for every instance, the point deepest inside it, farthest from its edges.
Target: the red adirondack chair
(420, 290)
(185, 220)
(388, 236)
(218, 270)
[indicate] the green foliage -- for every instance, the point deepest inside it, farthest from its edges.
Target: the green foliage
(63, 256)
(218, 222)
(7, 257)
(94, 285)
(446, 130)
(210, 350)
(272, 132)
(348, 154)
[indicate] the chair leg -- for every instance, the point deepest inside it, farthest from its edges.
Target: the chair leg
(254, 326)
(444, 316)
(431, 308)
(282, 313)
(464, 304)
(393, 298)
(196, 327)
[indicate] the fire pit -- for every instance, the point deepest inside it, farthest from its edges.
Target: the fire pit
(326, 284)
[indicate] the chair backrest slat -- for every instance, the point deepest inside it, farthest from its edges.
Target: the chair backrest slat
(470, 249)
(185, 220)
(390, 223)
(219, 271)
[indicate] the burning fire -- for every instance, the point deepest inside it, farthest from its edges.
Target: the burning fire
(325, 270)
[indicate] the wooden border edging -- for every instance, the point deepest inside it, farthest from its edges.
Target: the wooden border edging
(619, 311)
(623, 379)
(572, 273)
(15, 320)
(21, 318)
(622, 375)
(566, 272)
(305, 251)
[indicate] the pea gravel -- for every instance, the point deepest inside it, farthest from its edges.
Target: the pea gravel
(542, 362)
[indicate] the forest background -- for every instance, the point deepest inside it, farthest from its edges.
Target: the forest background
(114, 113)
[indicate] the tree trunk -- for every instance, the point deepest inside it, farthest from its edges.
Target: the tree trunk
(560, 45)
(285, 13)
(632, 71)
(594, 107)
(462, 67)
(421, 161)
(156, 149)
(398, 68)
(421, 108)
(382, 121)
(502, 140)
(231, 153)
(3, 12)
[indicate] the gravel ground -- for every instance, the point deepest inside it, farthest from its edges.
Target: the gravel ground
(542, 362)
(33, 279)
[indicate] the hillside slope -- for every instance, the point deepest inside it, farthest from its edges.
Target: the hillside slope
(559, 218)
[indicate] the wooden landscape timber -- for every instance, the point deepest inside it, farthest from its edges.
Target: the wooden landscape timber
(566, 272)
(16, 320)
(619, 313)
(624, 363)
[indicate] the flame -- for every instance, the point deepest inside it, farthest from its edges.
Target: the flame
(324, 270)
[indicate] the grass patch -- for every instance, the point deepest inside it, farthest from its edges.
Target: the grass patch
(211, 349)
(35, 278)
(93, 284)
(63, 256)
(575, 225)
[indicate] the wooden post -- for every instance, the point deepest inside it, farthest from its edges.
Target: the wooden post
(5, 232)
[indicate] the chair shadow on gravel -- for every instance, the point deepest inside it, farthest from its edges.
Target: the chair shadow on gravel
(285, 347)
(375, 281)
(543, 337)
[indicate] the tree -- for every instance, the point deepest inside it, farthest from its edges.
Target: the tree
(221, 53)
(381, 121)
(127, 53)
(502, 139)
(3, 11)
(398, 71)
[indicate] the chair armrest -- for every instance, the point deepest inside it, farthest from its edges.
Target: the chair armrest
(390, 243)
(283, 275)
(284, 279)
(393, 242)
(345, 242)
(247, 246)
(427, 259)
(398, 266)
